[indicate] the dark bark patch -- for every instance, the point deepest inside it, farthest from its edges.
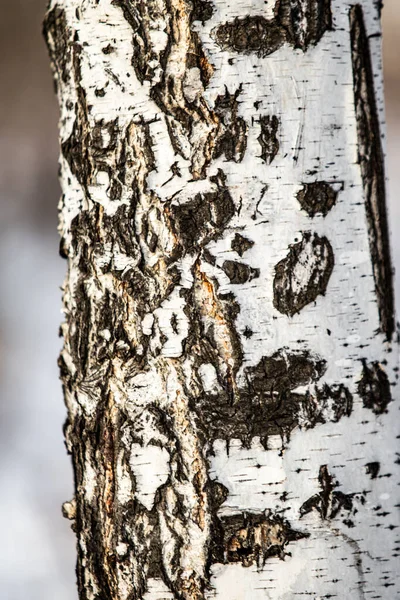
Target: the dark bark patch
(341, 400)
(202, 10)
(305, 21)
(241, 244)
(268, 138)
(374, 388)
(304, 274)
(372, 469)
(268, 403)
(329, 502)
(201, 219)
(300, 23)
(371, 160)
(317, 198)
(80, 330)
(238, 272)
(252, 538)
(233, 141)
(251, 35)
(283, 372)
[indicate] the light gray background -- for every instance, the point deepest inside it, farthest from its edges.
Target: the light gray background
(37, 554)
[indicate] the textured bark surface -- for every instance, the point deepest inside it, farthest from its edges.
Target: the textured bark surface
(230, 356)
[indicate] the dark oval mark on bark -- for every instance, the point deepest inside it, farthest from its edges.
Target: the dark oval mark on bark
(300, 23)
(371, 160)
(268, 139)
(251, 34)
(372, 469)
(304, 274)
(317, 198)
(233, 141)
(374, 388)
(239, 272)
(241, 244)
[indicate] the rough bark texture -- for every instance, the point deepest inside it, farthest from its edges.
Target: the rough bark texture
(230, 359)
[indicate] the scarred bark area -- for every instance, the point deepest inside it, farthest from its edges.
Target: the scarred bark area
(228, 355)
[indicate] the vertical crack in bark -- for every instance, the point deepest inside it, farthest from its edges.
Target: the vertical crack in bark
(371, 160)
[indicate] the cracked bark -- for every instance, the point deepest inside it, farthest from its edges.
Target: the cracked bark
(229, 354)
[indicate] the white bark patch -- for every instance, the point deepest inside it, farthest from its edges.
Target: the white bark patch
(150, 466)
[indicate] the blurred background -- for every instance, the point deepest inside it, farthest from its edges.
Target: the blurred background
(37, 553)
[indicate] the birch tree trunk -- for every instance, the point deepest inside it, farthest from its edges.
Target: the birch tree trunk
(230, 353)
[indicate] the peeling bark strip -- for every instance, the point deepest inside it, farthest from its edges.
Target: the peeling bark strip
(202, 417)
(304, 274)
(370, 157)
(300, 23)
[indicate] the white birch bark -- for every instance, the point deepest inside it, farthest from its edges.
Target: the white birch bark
(230, 354)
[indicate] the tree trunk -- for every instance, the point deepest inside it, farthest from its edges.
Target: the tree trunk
(230, 354)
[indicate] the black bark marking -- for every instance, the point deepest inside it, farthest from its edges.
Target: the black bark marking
(374, 388)
(297, 22)
(341, 400)
(202, 10)
(251, 35)
(371, 160)
(317, 198)
(305, 21)
(81, 329)
(268, 139)
(304, 274)
(203, 218)
(241, 244)
(252, 538)
(372, 469)
(239, 272)
(233, 141)
(268, 403)
(328, 503)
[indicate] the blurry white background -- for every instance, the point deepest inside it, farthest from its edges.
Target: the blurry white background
(37, 553)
